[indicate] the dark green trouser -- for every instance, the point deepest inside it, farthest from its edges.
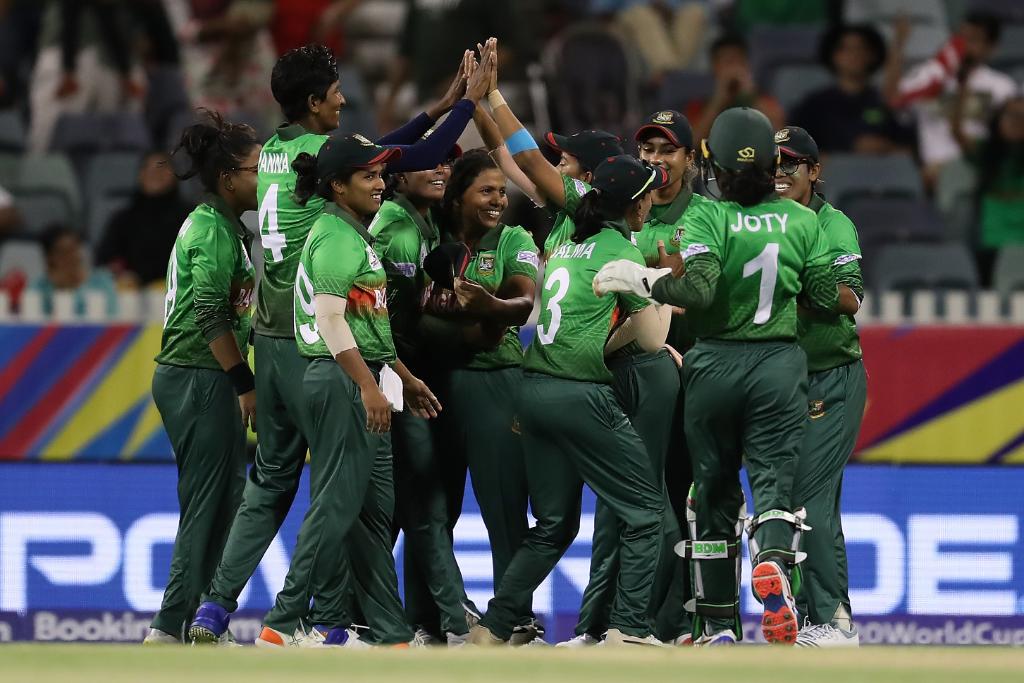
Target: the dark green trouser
(746, 405)
(199, 409)
(836, 398)
(433, 582)
(482, 411)
(646, 386)
(575, 432)
(351, 505)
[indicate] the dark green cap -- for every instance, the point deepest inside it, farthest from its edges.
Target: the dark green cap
(741, 137)
(590, 147)
(670, 124)
(342, 152)
(796, 143)
(627, 178)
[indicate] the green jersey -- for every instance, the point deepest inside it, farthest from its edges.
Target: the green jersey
(764, 251)
(574, 323)
(402, 238)
(561, 231)
(832, 340)
(284, 225)
(337, 259)
(209, 287)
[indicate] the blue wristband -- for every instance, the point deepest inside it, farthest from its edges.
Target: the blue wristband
(520, 141)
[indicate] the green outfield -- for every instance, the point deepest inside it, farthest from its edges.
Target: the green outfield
(114, 664)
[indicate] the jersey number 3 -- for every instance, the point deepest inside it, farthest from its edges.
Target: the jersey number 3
(559, 281)
(767, 263)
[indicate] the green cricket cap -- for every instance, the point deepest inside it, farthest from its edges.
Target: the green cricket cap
(741, 137)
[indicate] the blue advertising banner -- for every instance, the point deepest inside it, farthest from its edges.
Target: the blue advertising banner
(935, 555)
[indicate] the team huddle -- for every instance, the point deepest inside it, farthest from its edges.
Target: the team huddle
(387, 347)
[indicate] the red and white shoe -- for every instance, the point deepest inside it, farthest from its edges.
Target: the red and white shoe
(272, 639)
(771, 585)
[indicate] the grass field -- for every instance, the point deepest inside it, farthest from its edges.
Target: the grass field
(114, 664)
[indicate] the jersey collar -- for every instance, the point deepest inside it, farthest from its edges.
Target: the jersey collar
(217, 203)
(619, 227)
(290, 131)
(346, 217)
(424, 223)
(817, 203)
(489, 242)
(676, 208)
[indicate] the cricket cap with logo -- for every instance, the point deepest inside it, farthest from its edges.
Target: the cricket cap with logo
(342, 152)
(796, 143)
(670, 124)
(626, 178)
(741, 137)
(590, 147)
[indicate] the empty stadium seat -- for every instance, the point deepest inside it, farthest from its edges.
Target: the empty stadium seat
(111, 173)
(22, 255)
(679, 88)
(850, 175)
(1010, 50)
(89, 132)
(48, 173)
(894, 219)
(9, 163)
(792, 83)
(1008, 274)
(954, 197)
(39, 210)
(12, 131)
(772, 47)
(101, 209)
(903, 267)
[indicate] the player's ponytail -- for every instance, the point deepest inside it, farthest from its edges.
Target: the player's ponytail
(309, 182)
(214, 147)
(596, 208)
(746, 187)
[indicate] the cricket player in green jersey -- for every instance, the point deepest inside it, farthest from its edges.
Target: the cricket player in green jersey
(405, 230)
(836, 395)
(747, 257)
(573, 428)
(202, 385)
(341, 326)
(305, 84)
(482, 286)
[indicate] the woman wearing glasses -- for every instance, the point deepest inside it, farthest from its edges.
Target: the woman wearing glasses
(203, 386)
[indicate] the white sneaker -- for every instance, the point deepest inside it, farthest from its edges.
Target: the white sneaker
(422, 638)
(158, 637)
(722, 638)
(614, 638)
(685, 640)
(827, 635)
(272, 639)
(227, 639)
(456, 639)
(585, 640)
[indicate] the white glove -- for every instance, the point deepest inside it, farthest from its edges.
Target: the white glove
(627, 276)
(391, 387)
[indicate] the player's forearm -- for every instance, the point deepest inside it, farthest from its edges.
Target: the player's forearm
(225, 351)
(427, 154)
(851, 287)
(212, 315)
(849, 304)
(352, 363)
(514, 311)
(409, 133)
(821, 289)
(695, 289)
(545, 177)
(648, 328)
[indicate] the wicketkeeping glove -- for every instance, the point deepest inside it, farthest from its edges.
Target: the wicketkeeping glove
(627, 276)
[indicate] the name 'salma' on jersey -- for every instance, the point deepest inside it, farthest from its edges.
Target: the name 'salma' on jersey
(573, 250)
(755, 223)
(274, 162)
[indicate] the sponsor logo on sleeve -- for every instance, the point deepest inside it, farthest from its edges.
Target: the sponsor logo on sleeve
(581, 187)
(406, 269)
(847, 258)
(528, 257)
(695, 249)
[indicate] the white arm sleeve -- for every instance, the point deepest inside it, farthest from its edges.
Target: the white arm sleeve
(516, 176)
(648, 328)
(330, 319)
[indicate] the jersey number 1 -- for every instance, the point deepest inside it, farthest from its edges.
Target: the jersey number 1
(273, 241)
(767, 262)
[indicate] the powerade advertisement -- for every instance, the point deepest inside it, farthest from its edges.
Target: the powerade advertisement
(935, 555)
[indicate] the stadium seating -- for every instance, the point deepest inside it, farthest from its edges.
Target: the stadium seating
(850, 175)
(929, 22)
(22, 255)
(954, 198)
(679, 88)
(101, 209)
(48, 174)
(907, 267)
(1008, 276)
(894, 219)
(41, 209)
(9, 163)
(772, 47)
(793, 82)
(12, 131)
(111, 173)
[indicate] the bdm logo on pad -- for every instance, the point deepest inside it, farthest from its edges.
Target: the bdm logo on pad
(746, 154)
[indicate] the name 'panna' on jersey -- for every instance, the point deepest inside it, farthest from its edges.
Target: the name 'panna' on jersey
(284, 225)
(764, 250)
(574, 323)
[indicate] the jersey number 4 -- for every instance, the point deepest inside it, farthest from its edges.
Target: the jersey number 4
(767, 263)
(558, 281)
(273, 241)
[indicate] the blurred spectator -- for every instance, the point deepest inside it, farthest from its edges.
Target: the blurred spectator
(665, 33)
(999, 159)
(228, 57)
(850, 115)
(67, 270)
(436, 33)
(734, 87)
(85, 63)
(9, 217)
(931, 87)
(300, 22)
(138, 240)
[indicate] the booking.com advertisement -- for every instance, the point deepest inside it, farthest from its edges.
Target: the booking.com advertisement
(935, 555)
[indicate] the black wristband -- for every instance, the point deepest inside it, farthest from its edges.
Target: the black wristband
(241, 377)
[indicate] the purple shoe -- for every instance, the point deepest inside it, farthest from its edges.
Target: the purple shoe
(210, 623)
(334, 637)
